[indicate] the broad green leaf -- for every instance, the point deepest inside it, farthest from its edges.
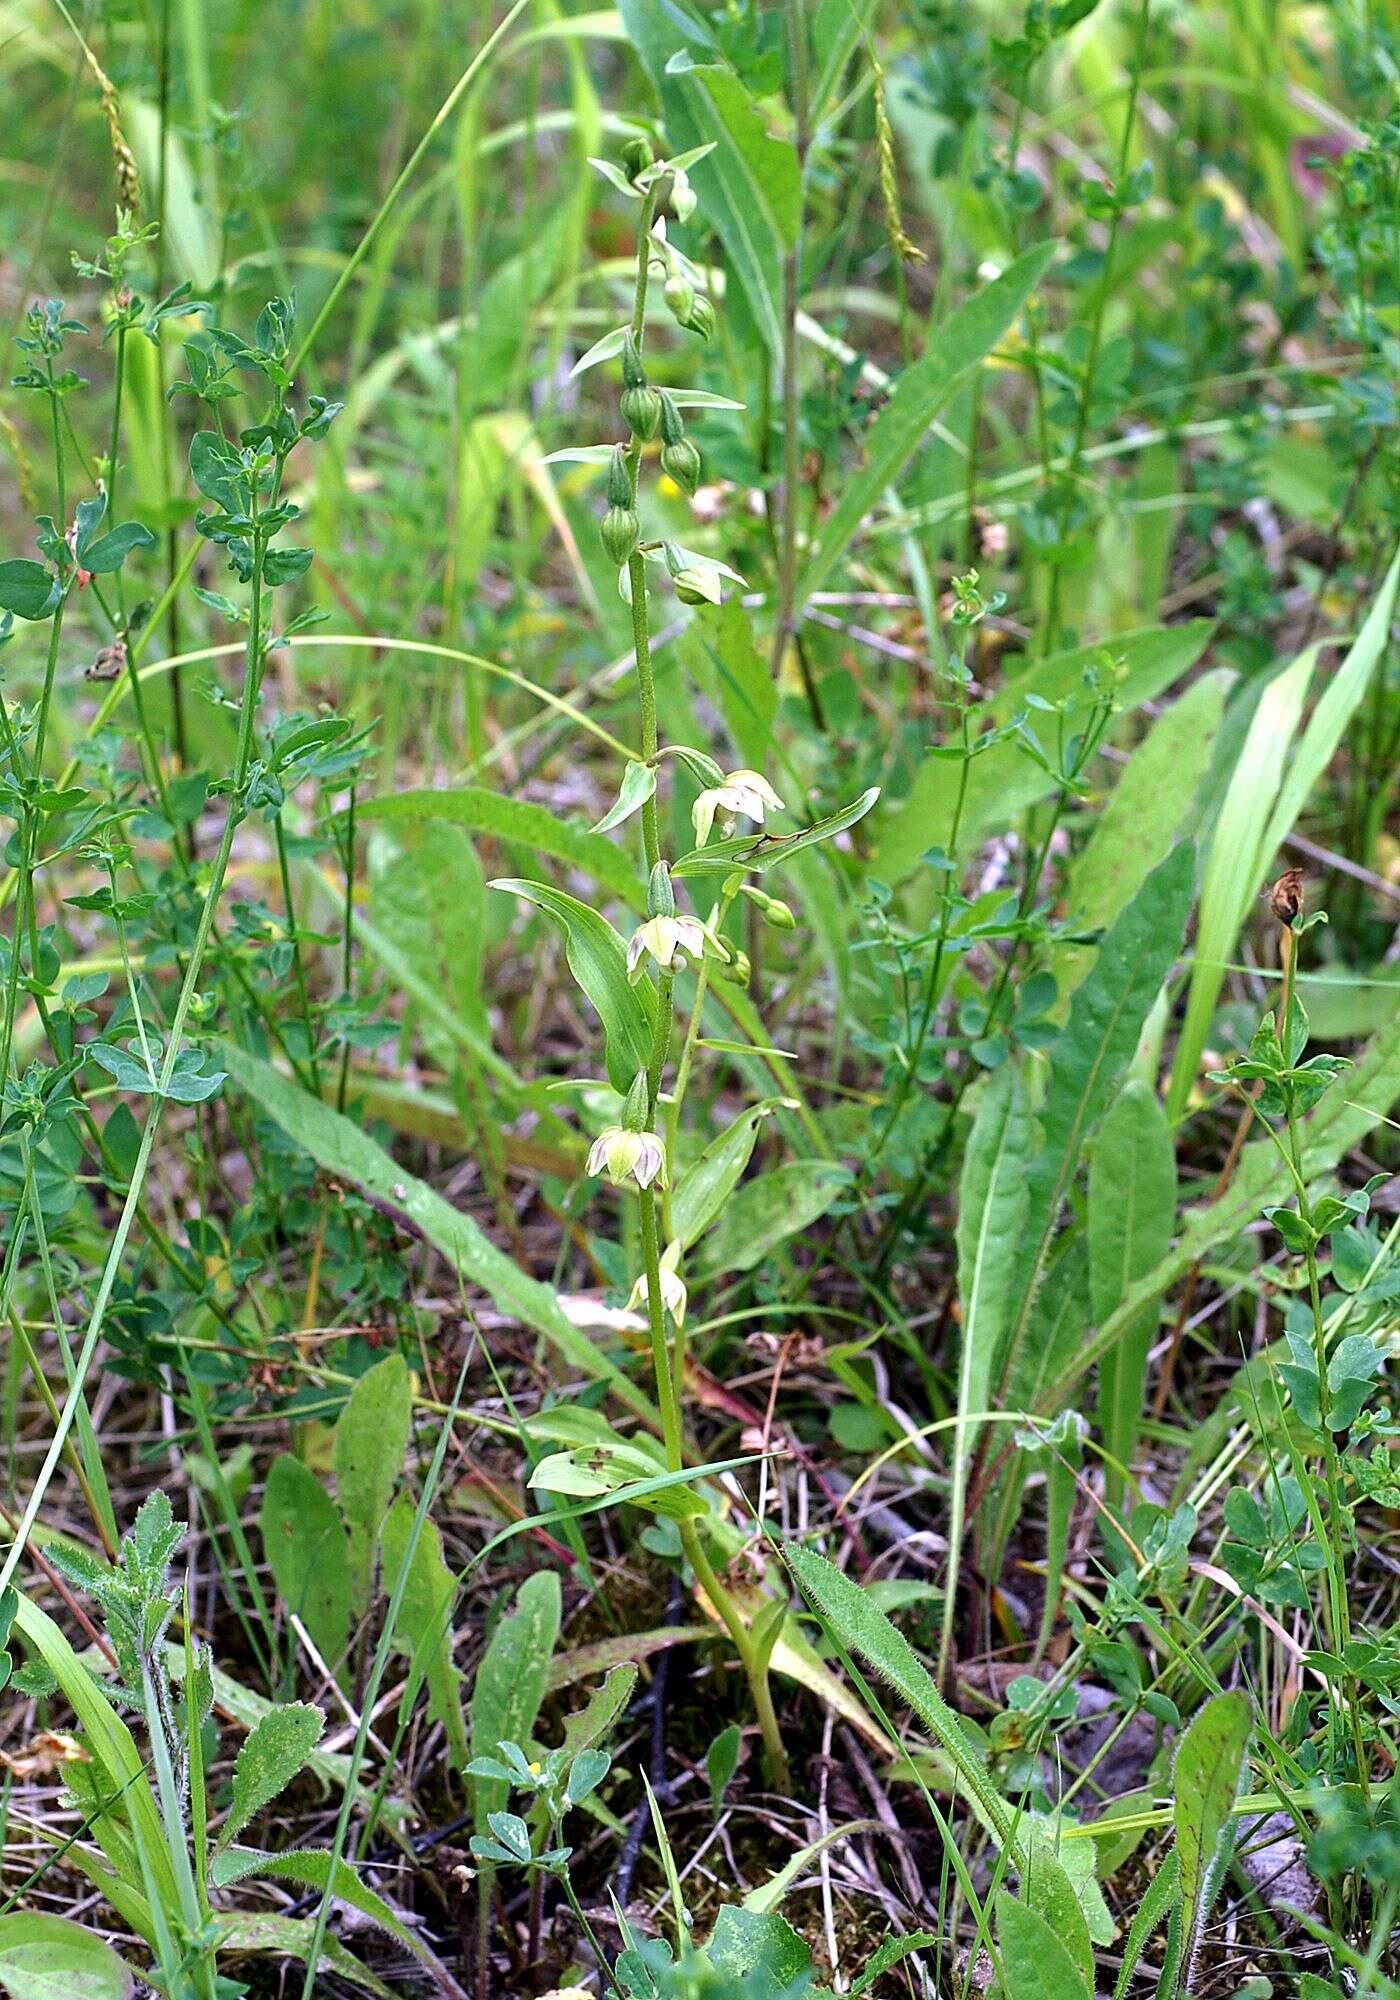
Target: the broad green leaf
(757, 1946)
(706, 1186)
(428, 904)
(764, 1212)
(588, 1471)
(1002, 781)
(27, 589)
(857, 1622)
(425, 1624)
(1210, 1767)
(109, 552)
(759, 171)
(992, 1197)
(338, 1145)
(769, 850)
(1035, 1963)
(1236, 861)
(598, 960)
(511, 1681)
(1147, 810)
(1088, 1058)
(258, 1932)
(269, 1757)
(371, 1437)
(307, 1551)
(1047, 1890)
(45, 1957)
(1132, 1213)
(720, 647)
(918, 396)
(522, 822)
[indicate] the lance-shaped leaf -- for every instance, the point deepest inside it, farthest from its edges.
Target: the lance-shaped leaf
(1132, 1211)
(1210, 1764)
(919, 394)
(598, 960)
(1088, 1059)
(274, 1750)
(992, 1199)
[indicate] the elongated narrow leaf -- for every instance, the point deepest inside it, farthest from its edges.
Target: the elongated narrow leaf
(769, 850)
(919, 394)
(521, 821)
(1148, 810)
(853, 1618)
(765, 1211)
(1341, 696)
(671, 44)
(1132, 1211)
(308, 1553)
(425, 1616)
(338, 1145)
(1089, 1057)
(371, 1437)
(1210, 1765)
(1235, 864)
(598, 960)
(707, 1185)
(311, 1867)
(992, 1198)
(511, 1681)
(1162, 1895)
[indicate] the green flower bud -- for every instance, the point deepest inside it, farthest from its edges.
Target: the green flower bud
(634, 1111)
(634, 376)
(637, 156)
(619, 479)
(641, 411)
(779, 914)
(681, 462)
(679, 294)
(618, 531)
(672, 424)
(693, 586)
(661, 897)
(702, 318)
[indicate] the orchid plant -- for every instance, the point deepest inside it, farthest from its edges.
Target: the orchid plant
(670, 941)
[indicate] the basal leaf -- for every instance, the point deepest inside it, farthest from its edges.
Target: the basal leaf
(371, 1437)
(1210, 1766)
(1035, 1963)
(45, 1957)
(271, 1754)
(307, 1551)
(1132, 1214)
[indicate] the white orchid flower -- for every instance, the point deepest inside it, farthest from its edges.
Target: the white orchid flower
(670, 941)
(743, 792)
(624, 1155)
(674, 1296)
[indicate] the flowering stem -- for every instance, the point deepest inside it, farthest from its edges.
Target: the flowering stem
(667, 1344)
